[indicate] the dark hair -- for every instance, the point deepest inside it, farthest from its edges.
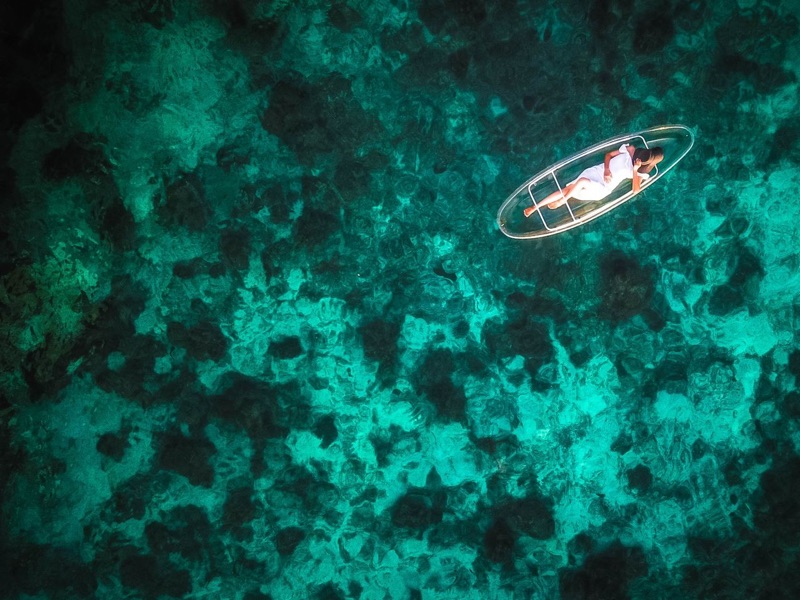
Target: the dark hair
(648, 156)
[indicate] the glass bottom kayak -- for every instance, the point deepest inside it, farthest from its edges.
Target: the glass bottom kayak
(676, 140)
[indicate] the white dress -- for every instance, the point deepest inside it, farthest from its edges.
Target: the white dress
(621, 168)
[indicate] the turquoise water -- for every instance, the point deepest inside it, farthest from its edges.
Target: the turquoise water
(263, 339)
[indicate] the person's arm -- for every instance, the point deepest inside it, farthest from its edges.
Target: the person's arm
(635, 176)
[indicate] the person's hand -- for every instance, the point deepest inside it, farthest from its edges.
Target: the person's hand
(607, 175)
(637, 163)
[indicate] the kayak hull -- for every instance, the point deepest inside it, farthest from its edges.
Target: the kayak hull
(676, 140)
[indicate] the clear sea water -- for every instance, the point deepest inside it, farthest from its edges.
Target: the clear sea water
(262, 338)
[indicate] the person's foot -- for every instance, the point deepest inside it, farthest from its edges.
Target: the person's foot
(529, 211)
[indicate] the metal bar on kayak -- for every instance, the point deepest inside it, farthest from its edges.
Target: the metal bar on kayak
(566, 202)
(536, 204)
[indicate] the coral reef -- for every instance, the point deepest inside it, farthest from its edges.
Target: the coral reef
(262, 339)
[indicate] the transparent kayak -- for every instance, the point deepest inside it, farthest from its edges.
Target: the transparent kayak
(676, 140)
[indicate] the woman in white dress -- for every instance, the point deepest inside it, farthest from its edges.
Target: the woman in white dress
(597, 182)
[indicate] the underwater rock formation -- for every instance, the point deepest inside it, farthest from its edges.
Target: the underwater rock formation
(262, 338)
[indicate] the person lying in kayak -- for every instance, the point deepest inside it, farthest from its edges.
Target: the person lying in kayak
(597, 182)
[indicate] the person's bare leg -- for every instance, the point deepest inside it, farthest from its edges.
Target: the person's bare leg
(559, 197)
(551, 199)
